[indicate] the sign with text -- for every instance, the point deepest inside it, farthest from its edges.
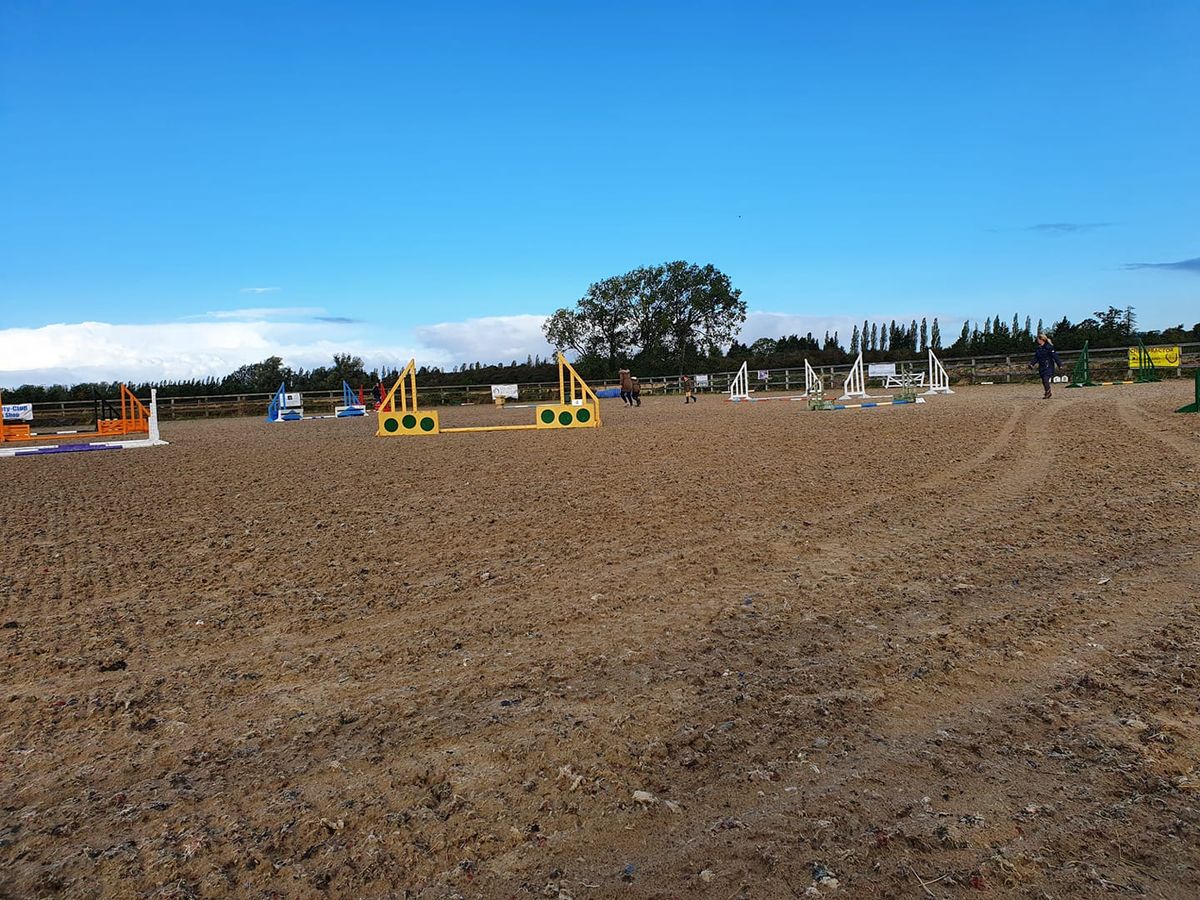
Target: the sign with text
(880, 370)
(1161, 357)
(18, 412)
(507, 391)
(701, 381)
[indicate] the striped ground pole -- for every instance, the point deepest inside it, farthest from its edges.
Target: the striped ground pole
(874, 405)
(48, 449)
(63, 448)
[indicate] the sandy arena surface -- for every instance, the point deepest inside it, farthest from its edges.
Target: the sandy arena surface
(710, 651)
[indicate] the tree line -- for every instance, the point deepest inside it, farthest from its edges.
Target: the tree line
(683, 317)
(677, 317)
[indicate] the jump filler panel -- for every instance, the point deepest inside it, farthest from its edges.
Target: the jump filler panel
(410, 423)
(566, 417)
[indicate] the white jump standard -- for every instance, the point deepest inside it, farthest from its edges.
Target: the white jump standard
(856, 381)
(939, 380)
(739, 388)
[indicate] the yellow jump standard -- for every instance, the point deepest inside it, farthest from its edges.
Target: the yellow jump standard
(577, 407)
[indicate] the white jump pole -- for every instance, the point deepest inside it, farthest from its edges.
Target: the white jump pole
(939, 380)
(856, 382)
(740, 389)
(812, 381)
(153, 439)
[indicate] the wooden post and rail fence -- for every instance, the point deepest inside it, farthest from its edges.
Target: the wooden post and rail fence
(1112, 362)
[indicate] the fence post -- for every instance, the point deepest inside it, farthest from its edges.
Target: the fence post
(974, 378)
(1008, 370)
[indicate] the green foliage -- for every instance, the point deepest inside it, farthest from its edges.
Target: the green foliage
(676, 314)
(257, 377)
(764, 347)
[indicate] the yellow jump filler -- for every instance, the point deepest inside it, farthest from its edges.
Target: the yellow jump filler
(577, 407)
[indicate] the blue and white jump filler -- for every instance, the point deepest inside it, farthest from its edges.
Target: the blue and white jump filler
(288, 406)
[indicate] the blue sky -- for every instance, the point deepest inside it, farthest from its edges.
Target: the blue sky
(212, 182)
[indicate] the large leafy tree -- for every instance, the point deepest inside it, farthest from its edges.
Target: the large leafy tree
(598, 326)
(566, 330)
(701, 308)
(346, 367)
(258, 377)
(676, 312)
(648, 315)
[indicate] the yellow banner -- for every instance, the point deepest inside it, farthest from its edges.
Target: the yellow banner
(1162, 357)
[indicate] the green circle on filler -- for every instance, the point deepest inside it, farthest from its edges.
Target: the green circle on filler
(564, 417)
(409, 421)
(584, 415)
(548, 416)
(427, 423)
(390, 424)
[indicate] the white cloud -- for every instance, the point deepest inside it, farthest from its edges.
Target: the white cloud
(259, 290)
(100, 351)
(217, 343)
(490, 339)
(255, 313)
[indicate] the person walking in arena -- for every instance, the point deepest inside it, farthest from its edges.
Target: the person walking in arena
(1045, 357)
(689, 390)
(636, 392)
(626, 387)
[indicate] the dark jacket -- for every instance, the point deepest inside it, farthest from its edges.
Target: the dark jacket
(1046, 358)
